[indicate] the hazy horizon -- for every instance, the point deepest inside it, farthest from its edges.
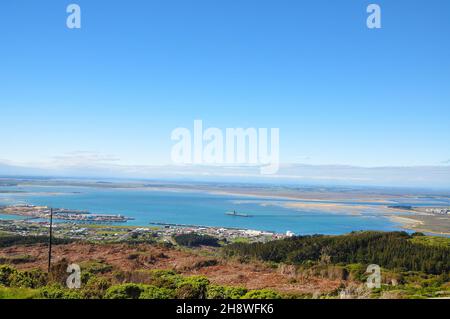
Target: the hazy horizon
(431, 177)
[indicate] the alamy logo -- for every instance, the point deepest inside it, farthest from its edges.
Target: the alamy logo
(74, 279)
(374, 19)
(234, 146)
(74, 19)
(374, 279)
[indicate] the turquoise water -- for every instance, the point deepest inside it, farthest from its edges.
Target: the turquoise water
(195, 208)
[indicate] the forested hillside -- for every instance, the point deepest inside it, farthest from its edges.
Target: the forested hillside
(394, 250)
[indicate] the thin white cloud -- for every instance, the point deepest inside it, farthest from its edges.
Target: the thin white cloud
(83, 158)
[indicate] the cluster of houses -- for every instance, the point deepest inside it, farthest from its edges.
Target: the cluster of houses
(219, 232)
(36, 212)
(438, 211)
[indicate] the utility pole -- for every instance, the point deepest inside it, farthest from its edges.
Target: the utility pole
(50, 241)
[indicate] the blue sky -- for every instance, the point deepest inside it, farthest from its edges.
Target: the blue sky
(339, 92)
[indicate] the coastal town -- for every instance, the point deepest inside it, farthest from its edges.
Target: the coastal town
(438, 211)
(81, 225)
(37, 212)
(111, 233)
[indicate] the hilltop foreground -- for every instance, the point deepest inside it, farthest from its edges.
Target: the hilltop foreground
(414, 266)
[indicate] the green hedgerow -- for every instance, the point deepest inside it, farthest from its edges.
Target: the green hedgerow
(96, 288)
(261, 294)
(222, 292)
(195, 287)
(153, 292)
(57, 291)
(125, 291)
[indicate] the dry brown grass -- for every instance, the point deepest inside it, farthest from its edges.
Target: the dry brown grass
(127, 258)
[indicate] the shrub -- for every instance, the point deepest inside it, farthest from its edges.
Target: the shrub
(56, 291)
(28, 279)
(5, 274)
(195, 287)
(165, 279)
(52, 292)
(125, 291)
(221, 292)
(96, 288)
(58, 272)
(216, 292)
(261, 294)
(235, 292)
(152, 292)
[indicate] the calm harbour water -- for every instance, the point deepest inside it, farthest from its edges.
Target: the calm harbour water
(194, 208)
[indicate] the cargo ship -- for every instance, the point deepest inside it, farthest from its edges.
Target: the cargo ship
(236, 214)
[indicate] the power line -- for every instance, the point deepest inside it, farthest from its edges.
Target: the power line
(50, 240)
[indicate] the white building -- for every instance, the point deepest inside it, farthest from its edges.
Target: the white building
(290, 234)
